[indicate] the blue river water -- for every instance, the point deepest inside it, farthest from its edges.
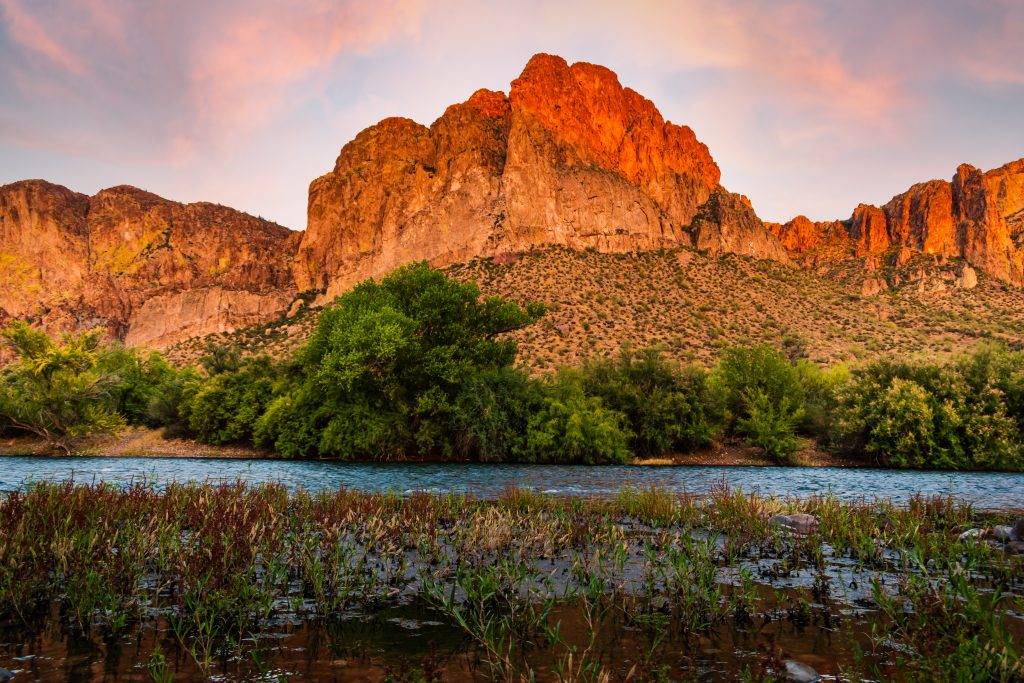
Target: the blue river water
(984, 489)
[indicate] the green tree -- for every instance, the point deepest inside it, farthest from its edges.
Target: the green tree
(961, 415)
(61, 391)
(224, 408)
(145, 378)
(667, 407)
(764, 397)
(391, 369)
(569, 426)
(771, 425)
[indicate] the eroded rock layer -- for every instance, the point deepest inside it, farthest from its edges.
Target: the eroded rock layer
(150, 270)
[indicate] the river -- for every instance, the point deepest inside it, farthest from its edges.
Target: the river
(988, 490)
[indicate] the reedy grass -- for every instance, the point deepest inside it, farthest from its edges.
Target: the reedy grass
(220, 561)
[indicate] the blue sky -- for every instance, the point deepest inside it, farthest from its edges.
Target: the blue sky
(808, 107)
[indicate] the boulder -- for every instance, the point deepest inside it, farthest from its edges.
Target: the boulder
(968, 278)
(798, 523)
(873, 286)
(798, 672)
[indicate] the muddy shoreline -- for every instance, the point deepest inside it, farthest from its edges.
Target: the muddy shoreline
(140, 442)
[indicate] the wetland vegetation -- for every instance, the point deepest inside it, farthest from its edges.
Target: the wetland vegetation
(256, 582)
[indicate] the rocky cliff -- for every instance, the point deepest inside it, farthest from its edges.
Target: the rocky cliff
(151, 271)
(569, 157)
(978, 217)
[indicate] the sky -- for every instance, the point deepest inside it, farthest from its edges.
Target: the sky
(807, 106)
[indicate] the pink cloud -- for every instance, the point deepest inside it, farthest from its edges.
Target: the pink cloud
(192, 73)
(242, 75)
(782, 47)
(38, 38)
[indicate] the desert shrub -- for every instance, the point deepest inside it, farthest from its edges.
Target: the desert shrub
(667, 407)
(961, 415)
(60, 391)
(223, 408)
(569, 426)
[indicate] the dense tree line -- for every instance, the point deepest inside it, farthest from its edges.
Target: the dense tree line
(420, 366)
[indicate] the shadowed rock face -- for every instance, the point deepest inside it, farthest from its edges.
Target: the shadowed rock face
(151, 271)
(570, 157)
(727, 224)
(979, 217)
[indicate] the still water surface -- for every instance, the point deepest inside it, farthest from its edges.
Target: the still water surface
(984, 489)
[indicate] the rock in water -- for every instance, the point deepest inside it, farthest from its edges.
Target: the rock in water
(800, 673)
(798, 523)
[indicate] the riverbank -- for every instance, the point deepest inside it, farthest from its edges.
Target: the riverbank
(137, 442)
(140, 442)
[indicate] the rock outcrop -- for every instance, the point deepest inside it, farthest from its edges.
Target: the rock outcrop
(727, 224)
(150, 270)
(978, 217)
(569, 158)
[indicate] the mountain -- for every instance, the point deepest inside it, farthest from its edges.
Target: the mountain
(693, 304)
(977, 217)
(151, 271)
(568, 159)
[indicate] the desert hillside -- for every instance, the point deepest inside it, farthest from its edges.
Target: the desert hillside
(692, 305)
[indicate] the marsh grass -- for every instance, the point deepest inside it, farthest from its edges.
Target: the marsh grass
(631, 586)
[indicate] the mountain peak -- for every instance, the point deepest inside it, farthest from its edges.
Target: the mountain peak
(570, 157)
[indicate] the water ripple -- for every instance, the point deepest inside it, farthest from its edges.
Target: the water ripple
(984, 489)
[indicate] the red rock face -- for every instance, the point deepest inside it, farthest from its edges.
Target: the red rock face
(868, 230)
(151, 270)
(978, 217)
(727, 224)
(922, 218)
(989, 207)
(569, 158)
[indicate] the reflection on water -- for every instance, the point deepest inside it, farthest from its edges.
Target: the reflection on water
(984, 489)
(413, 644)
